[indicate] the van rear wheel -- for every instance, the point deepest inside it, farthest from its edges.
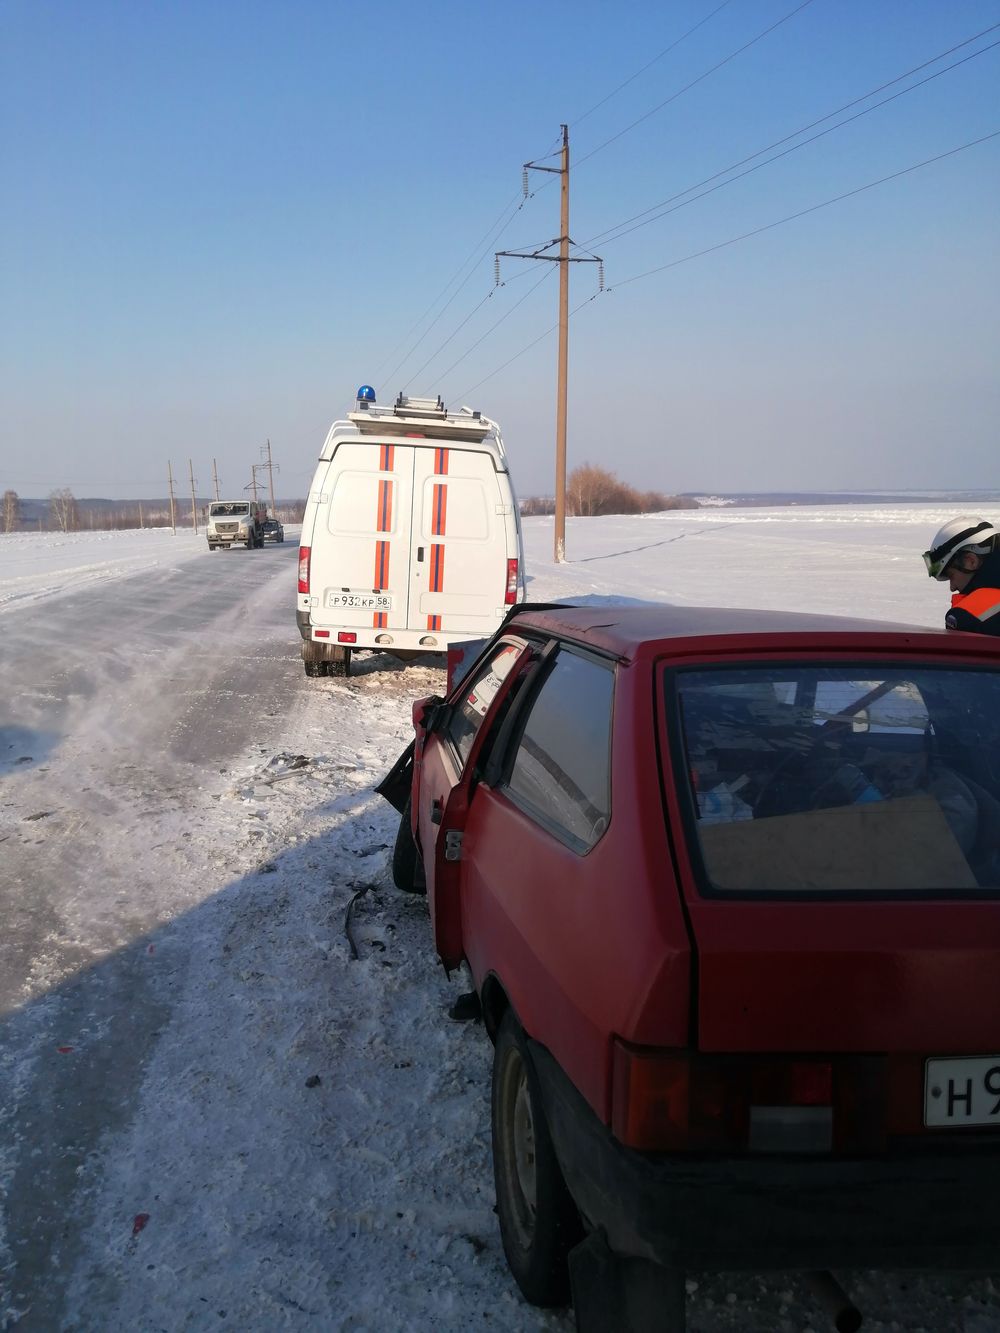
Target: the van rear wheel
(340, 663)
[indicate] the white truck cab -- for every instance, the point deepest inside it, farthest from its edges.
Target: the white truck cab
(236, 522)
(411, 538)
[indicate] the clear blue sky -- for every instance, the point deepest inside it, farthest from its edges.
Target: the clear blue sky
(219, 218)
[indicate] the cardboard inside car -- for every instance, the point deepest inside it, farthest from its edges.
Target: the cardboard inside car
(903, 844)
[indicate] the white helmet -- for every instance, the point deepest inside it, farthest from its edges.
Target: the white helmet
(959, 534)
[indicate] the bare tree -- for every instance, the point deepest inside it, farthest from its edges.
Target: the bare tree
(64, 510)
(591, 491)
(11, 510)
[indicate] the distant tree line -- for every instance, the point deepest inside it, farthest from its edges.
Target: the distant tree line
(592, 491)
(62, 512)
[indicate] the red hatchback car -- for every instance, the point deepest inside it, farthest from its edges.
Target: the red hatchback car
(726, 883)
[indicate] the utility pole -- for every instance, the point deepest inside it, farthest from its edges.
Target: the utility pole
(271, 469)
(170, 488)
(563, 259)
(194, 502)
(253, 479)
(215, 479)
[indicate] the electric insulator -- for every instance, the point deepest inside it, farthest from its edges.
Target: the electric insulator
(600, 275)
(496, 270)
(524, 181)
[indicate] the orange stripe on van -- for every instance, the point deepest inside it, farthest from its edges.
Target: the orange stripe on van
(383, 517)
(383, 523)
(433, 622)
(441, 462)
(381, 579)
(439, 510)
(437, 567)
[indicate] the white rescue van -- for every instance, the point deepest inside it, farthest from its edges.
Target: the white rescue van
(411, 538)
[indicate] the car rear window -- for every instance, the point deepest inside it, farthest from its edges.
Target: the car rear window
(831, 780)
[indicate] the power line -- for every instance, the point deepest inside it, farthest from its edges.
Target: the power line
(417, 322)
(495, 326)
(482, 249)
(791, 217)
(533, 343)
(663, 204)
(694, 82)
(650, 63)
(734, 240)
(489, 295)
(454, 334)
(623, 229)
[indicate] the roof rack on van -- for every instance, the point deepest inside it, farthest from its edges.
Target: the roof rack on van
(423, 416)
(419, 407)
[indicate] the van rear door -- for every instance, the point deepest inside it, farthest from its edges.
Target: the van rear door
(415, 540)
(360, 570)
(458, 575)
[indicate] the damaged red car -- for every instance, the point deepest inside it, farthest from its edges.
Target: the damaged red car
(726, 883)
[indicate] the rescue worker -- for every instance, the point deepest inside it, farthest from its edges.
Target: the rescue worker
(966, 552)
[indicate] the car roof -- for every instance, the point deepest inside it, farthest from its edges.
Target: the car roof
(631, 631)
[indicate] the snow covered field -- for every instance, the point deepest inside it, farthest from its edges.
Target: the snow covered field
(212, 1113)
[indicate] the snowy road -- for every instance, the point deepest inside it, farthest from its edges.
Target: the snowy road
(211, 1113)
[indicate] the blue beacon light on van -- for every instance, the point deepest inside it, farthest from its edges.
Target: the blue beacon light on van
(366, 395)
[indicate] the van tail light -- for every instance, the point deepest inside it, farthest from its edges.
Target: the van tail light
(510, 596)
(679, 1101)
(305, 553)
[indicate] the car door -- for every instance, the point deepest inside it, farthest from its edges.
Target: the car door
(547, 897)
(447, 765)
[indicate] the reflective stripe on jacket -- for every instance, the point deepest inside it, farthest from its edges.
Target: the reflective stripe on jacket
(978, 611)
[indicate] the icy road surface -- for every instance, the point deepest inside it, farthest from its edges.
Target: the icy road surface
(211, 1113)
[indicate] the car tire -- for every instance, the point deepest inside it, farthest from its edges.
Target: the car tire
(340, 664)
(314, 669)
(407, 872)
(539, 1223)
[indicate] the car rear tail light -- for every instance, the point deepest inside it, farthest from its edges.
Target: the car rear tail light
(321, 633)
(510, 596)
(676, 1101)
(667, 1101)
(305, 553)
(346, 636)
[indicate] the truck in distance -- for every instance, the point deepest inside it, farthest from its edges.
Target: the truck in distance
(236, 523)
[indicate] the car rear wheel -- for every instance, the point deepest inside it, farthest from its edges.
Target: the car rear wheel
(539, 1223)
(407, 872)
(340, 663)
(314, 669)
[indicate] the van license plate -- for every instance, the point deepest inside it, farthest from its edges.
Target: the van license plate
(360, 601)
(962, 1092)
